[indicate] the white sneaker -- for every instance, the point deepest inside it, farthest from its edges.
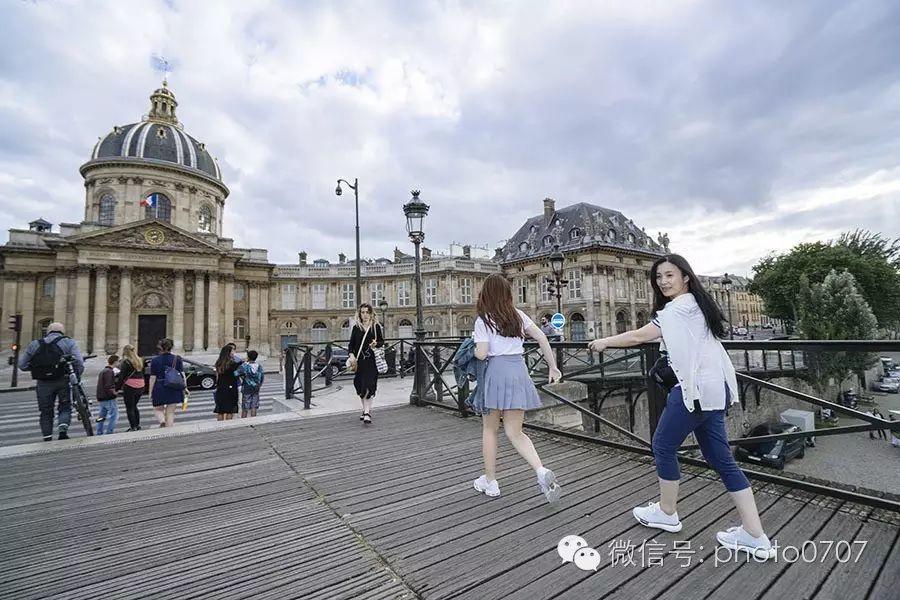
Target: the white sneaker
(736, 538)
(547, 481)
(488, 488)
(653, 516)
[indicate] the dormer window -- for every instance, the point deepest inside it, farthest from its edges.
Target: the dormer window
(534, 229)
(575, 234)
(611, 236)
(631, 238)
(548, 241)
(556, 222)
(523, 247)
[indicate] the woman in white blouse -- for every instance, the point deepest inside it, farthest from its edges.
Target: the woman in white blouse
(691, 325)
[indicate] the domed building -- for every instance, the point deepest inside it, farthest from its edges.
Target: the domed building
(148, 260)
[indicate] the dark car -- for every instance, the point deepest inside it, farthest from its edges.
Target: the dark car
(197, 374)
(772, 453)
(337, 363)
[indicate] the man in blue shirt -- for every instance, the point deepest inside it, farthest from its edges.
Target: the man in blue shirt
(52, 381)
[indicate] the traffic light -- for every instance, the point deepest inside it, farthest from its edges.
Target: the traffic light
(11, 361)
(15, 322)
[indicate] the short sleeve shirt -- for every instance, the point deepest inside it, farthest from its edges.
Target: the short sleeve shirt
(499, 345)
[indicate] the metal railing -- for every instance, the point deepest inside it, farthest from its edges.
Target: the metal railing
(627, 371)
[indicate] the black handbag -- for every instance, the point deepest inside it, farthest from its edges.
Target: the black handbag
(663, 374)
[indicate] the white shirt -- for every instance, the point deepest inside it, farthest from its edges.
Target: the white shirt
(499, 345)
(700, 362)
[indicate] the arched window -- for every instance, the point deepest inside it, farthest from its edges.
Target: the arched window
(158, 206)
(107, 209)
(611, 236)
(548, 241)
(206, 219)
(240, 329)
(631, 238)
(465, 326)
(319, 332)
(578, 333)
(288, 325)
(404, 329)
(621, 322)
(641, 319)
(574, 234)
(345, 330)
(48, 290)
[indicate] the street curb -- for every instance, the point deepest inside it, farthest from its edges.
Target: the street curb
(29, 388)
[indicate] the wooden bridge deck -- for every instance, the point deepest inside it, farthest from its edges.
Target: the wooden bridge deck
(324, 508)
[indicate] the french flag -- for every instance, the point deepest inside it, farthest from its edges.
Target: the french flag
(149, 201)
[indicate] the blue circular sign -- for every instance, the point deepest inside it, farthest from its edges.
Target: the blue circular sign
(558, 320)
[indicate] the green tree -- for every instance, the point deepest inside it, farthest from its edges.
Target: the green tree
(835, 310)
(873, 261)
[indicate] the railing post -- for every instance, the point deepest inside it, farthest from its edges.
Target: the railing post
(328, 375)
(559, 360)
(764, 366)
(436, 383)
(656, 401)
(288, 373)
(463, 394)
(307, 377)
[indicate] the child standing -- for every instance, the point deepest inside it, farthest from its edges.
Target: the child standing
(252, 376)
(106, 396)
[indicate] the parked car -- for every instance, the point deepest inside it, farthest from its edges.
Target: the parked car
(888, 365)
(886, 384)
(772, 453)
(197, 374)
(740, 331)
(337, 363)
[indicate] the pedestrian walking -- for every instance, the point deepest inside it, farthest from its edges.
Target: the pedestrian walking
(43, 358)
(882, 434)
(106, 397)
(166, 393)
(251, 375)
(226, 405)
(131, 382)
(507, 389)
(703, 384)
(367, 335)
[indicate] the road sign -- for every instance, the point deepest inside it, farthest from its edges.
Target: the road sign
(558, 320)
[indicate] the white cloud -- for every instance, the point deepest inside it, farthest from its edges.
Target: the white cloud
(740, 129)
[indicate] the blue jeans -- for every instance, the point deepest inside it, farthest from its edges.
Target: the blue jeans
(709, 428)
(109, 412)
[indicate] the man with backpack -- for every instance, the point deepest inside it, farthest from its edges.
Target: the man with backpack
(252, 376)
(44, 358)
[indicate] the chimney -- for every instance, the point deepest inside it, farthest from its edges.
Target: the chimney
(342, 258)
(426, 253)
(397, 254)
(302, 257)
(498, 253)
(549, 208)
(467, 251)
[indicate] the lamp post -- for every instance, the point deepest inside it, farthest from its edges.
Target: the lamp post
(726, 283)
(416, 211)
(337, 192)
(556, 265)
(383, 305)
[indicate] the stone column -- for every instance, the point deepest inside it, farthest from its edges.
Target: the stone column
(228, 325)
(215, 313)
(587, 290)
(178, 313)
(632, 291)
(125, 308)
(61, 297)
(28, 285)
(82, 305)
(253, 306)
(100, 310)
(199, 304)
(264, 319)
(613, 295)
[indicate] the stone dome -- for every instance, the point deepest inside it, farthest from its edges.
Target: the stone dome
(158, 137)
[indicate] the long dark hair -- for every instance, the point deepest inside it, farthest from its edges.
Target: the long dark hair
(224, 358)
(715, 318)
(495, 307)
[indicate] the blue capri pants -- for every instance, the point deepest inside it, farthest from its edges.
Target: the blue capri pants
(676, 423)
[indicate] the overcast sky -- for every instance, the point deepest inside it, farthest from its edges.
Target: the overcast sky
(739, 128)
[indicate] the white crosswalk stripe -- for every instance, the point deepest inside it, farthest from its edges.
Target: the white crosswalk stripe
(19, 415)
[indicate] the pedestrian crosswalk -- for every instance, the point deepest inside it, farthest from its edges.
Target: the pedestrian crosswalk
(19, 412)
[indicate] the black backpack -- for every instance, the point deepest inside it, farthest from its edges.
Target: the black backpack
(46, 363)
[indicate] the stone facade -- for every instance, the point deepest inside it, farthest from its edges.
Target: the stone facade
(746, 307)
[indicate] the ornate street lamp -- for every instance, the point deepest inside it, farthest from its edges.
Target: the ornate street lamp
(557, 259)
(337, 192)
(726, 283)
(416, 211)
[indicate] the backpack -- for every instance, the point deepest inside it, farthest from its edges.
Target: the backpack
(174, 379)
(252, 379)
(46, 363)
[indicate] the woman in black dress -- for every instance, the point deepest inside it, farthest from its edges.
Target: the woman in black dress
(226, 384)
(366, 335)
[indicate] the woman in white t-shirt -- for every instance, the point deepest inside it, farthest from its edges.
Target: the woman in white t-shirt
(507, 388)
